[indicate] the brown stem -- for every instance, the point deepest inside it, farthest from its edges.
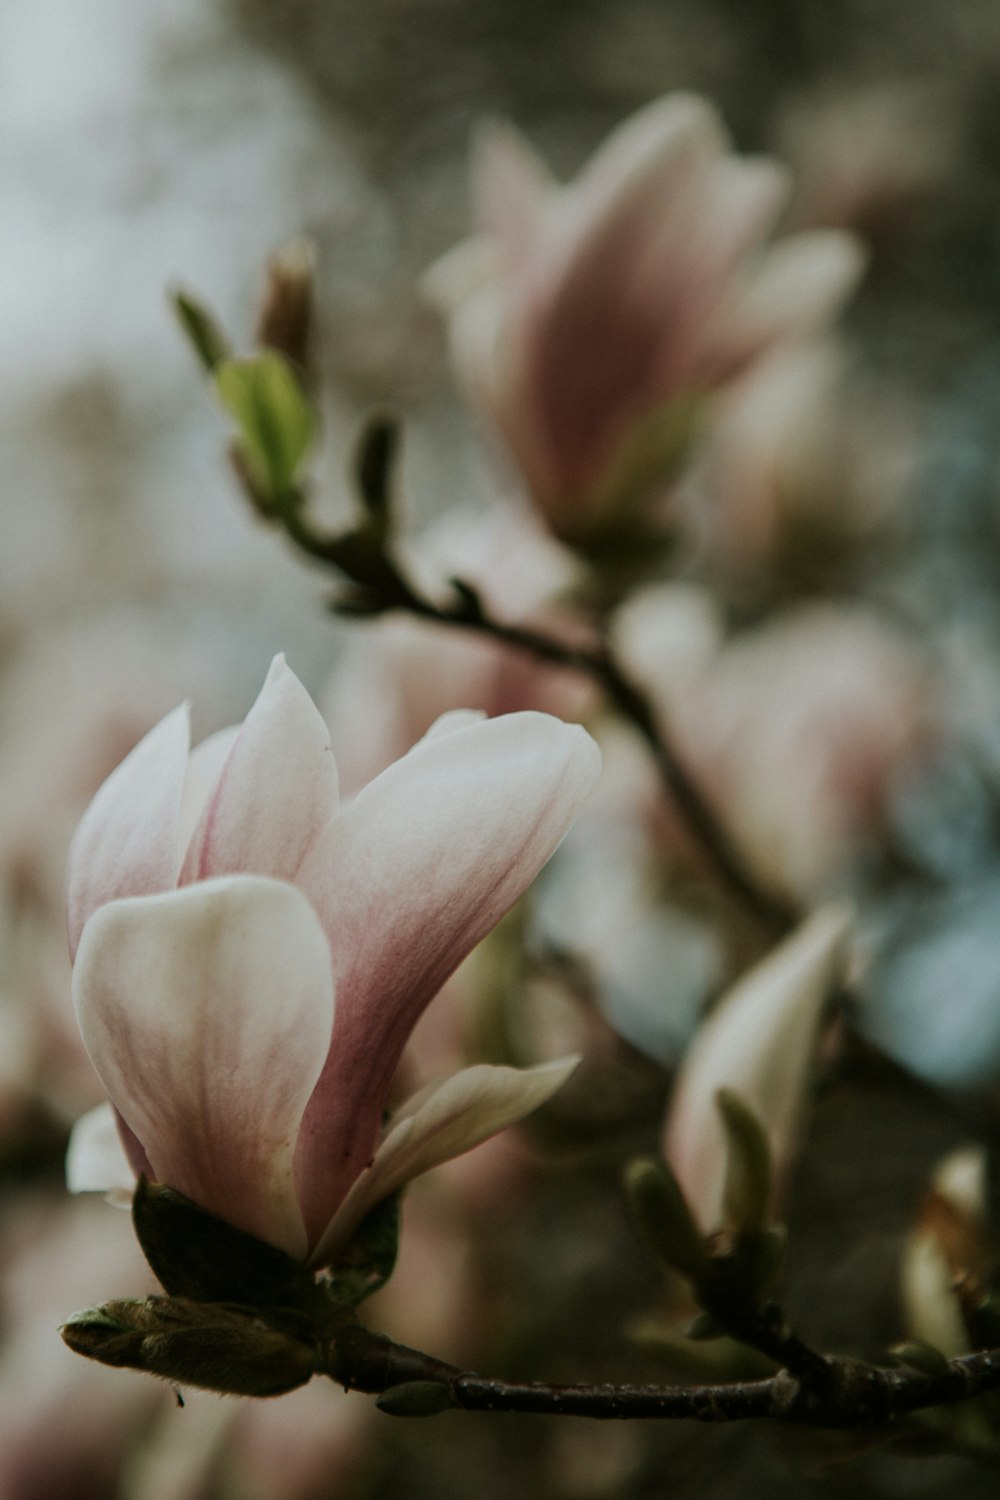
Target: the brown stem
(849, 1394)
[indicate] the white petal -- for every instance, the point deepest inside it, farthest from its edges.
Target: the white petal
(439, 1123)
(126, 844)
(207, 1013)
(95, 1158)
(277, 788)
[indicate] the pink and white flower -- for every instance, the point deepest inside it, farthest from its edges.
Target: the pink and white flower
(249, 959)
(589, 321)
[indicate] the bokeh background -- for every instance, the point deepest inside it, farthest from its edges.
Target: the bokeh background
(178, 142)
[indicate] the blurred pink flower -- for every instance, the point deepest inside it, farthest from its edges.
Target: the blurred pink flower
(760, 1042)
(806, 459)
(798, 730)
(589, 321)
(218, 901)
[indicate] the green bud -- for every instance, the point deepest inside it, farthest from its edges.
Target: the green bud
(747, 1192)
(662, 1217)
(204, 334)
(217, 1348)
(920, 1356)
(273, 415)
(415, 1398)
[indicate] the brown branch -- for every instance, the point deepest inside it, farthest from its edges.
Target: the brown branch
(849, 1394)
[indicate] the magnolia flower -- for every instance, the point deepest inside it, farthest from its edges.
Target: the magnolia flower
(760, 1043)
(589, 321)
(249, 961)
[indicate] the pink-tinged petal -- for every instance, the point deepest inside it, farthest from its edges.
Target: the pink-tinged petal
(439, 1123)
(277, 787)
(797, 287)
(207, 1013)
(511, 186)
(126, 844)
(740, 201)
(759, 1042)
(421, 865)
(654, 151)
(95, 1158)
(597, 340)
(204, 768)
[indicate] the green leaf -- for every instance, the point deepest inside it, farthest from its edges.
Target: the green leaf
(274, 417)
(204, 334)
(370, 1259)
(747, 1193)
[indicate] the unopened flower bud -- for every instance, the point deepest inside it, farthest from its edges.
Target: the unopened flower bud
(286, 312)
(218, 1348)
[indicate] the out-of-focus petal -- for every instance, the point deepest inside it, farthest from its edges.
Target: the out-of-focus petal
(759, 1042)
(95, 1158)
(439, 1123)
(126, 844)
(207, 1013)
(278, 786)
(421, 865)
(511, 186)
(796, 287)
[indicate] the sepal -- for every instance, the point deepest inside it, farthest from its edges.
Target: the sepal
(663, 1219)
(195, 1255)
(746, 1194)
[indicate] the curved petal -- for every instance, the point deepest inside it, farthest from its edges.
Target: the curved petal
(510, 186)
(126, 844)
(424, 862)
(797, 286)
(278, 786)
(207, 1013)
(95, 1157)
(439, 1123)
(204, 768)
(759, 1041)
